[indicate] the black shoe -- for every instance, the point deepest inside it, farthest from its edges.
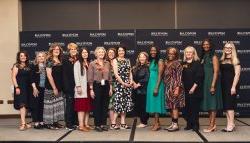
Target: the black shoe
(51, 127)
(38, 127)
(70, 128)
(57, 125)
(42, 126)
(98, 129)
(104, 128)
(196, 128)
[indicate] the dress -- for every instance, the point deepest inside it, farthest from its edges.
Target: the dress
(210, 102)
(155, 104)
(111, 98)
(23, 81)
(172, 80)
(227, 78)
(122, 96)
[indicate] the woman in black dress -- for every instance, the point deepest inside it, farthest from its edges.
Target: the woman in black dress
(141, 75)
(192, 77)
(38, 84)
(230, 74)
(21, 75)
(53, 95)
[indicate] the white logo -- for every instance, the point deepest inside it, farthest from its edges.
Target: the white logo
(243, 51)
(216, 33)
(159, 34)
(187, 33)
(243, 33)
(245, 105)
(28, 45)
(145, 43)
(245, 69)
(197, 43)
(130, 52)
(70, 35)
(97, 34)
(59, 43)
(112, 43)
(125, 34)
(163, 51)
(218, 51)
(81, 44)
(173, 43)
(42, 35)
(245, 87)
(235, 42)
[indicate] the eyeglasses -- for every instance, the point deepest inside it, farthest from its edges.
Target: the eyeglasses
(228, 47)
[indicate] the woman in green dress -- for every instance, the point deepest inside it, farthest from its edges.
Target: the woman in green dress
(155, 103)
(212, 97)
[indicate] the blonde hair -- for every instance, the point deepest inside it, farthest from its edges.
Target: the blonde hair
(137, 59)
(36, 59)
(234, 57)
(100, 48)
(71, 46)
(195, 58)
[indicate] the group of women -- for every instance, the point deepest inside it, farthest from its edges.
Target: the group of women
(57, 87)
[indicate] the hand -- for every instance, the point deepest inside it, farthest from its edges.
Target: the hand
(212, 90)
(191, 91)
(155, 91)
(110, 92)
(233, 91)
(138, 85)
(79, 90)
(18, 92)
(92, 94)
(35, 92)
(55, 91)
(127, 85)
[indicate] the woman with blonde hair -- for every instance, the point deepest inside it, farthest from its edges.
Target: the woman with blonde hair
(99, 78)
(230, 75)
(69, 85)
(53, 95)
(192, 77)
(38, 84)
(141, 75)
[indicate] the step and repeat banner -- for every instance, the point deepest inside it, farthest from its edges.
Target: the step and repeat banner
(141, 40)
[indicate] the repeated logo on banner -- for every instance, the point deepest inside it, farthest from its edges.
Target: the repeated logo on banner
(141, 40)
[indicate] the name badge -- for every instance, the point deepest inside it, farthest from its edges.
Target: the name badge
(102, 82)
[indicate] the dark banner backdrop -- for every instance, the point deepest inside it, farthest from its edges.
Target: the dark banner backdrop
(141, 40)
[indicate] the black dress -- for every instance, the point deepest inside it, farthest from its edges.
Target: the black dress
(192, 73)
(227, 78)
(23, 80)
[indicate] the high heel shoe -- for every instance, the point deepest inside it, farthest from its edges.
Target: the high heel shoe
(209, 130)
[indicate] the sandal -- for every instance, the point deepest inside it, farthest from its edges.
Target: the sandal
(83, 128)
(89, 127)
(114, 127)
(125, 126)
(22, 127)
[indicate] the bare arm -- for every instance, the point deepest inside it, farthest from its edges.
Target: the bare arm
(13, 75)
(215, 74)
(115, 67)
(236, 78)
(50, 78)
(160, 72)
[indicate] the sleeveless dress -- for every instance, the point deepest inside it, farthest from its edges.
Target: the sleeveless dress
(122, 97)
(23, 81)
(155, 104)
(227, 78)
(210, 102)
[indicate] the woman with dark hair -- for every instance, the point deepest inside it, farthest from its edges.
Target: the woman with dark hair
(69, 85)
(21, 75)
(53, 95)
(174, 90)
(123, 88)
(82, 99)
(212, 98)
(155, 90)
(38, 84)
(141, 75)
(111, 55)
